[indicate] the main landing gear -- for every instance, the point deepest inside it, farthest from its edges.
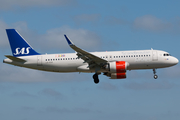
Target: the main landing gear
(96, 78)
(155, 76)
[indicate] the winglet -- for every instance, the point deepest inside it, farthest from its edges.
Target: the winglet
(68, 40)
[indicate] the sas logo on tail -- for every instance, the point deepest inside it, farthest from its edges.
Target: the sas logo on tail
(22, 51)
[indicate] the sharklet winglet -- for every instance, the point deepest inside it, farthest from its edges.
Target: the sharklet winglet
(68, 40)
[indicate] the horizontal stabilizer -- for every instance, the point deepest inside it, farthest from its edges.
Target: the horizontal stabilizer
(15, 58)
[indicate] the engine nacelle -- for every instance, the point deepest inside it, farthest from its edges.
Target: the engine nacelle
(118, 75)
(118, 67)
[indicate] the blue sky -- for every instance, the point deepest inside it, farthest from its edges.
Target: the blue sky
(94, 26)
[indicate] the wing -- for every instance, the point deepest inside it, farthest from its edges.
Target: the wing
(91, 59)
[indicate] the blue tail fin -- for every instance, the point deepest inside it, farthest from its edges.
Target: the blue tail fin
(19, 45)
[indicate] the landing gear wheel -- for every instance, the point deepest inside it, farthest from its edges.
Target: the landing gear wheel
(96, 79)
(155, 76)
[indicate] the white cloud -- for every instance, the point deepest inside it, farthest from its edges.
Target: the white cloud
(9, 4)
(20, 26)
(151, 23)
(54, 38)
(148, 23)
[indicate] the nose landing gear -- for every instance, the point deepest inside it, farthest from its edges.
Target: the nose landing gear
(155, 76)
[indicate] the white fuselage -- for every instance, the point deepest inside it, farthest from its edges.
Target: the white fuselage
(68, 62)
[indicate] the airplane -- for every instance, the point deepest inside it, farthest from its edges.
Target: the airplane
(113, 64)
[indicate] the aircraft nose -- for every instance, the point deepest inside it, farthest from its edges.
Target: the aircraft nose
(175, 61)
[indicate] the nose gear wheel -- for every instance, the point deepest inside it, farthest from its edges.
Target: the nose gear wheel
(155, 76)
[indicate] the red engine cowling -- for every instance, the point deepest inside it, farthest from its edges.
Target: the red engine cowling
(118, 69)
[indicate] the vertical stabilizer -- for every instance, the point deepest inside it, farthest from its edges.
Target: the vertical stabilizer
(19, 46)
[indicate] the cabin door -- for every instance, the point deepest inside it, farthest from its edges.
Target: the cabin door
(39, 61)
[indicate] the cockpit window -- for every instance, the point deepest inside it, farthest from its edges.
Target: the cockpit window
(166, 54)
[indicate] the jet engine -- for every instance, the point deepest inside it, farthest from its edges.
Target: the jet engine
(117, 69)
